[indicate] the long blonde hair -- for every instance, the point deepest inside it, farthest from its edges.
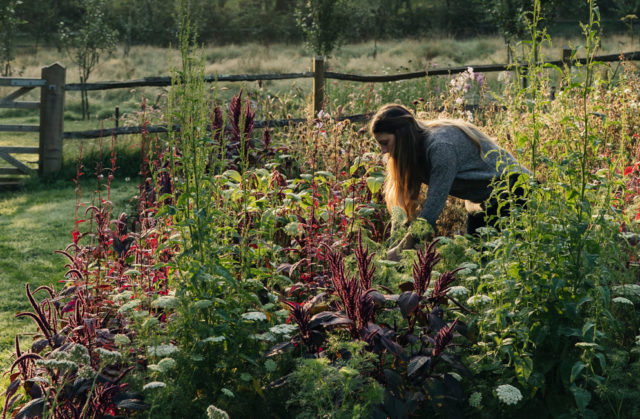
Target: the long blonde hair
(402, 183)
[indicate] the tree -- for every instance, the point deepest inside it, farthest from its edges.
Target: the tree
(324, 23)
(9, 22)
(87, 41)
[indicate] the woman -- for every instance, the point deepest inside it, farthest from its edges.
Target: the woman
(452, 157)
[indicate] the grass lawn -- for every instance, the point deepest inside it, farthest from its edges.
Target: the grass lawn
(35, 222)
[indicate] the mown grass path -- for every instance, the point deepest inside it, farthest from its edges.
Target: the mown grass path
(33, 224)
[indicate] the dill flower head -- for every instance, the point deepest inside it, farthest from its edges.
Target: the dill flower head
(458, 291)
(165, 301)
(479, 299)
(121, 339)
(162, 350)
(108, 357)
(283, 329)
(508, 394)
(475, 399)
(622, 300)
(214, 412)
(254, 316)
(153, 384)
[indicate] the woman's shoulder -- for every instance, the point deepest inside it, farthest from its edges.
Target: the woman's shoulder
(446, 135)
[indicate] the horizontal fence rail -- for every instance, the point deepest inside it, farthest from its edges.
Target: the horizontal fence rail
(484, 68)
(151, 129)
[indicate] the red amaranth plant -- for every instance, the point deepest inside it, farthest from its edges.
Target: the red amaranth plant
(423, 267)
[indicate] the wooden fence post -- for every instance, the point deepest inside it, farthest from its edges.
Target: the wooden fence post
(318, 84)
(51, 119)
(566, 56)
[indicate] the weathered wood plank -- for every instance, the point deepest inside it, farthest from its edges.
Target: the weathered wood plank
(10, 171)
(19, 150)
(21, 91)
(13, 81)
(19, 128)
(17, 163)
(20, 105)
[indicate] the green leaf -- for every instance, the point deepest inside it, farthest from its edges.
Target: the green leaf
(374, 183)
(523, 367)
(582, 397)
(576, 370)
(348, 207)
(233, 175)
(294, 228)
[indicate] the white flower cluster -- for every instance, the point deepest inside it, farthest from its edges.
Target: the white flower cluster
(458, 291)
(62, 365)
(214, 339)
(129, 306)
(162, 350)
(86, 372)
(122, 296)
(165, 301)
(630, 291)
(283, 329)
(267, 337)
(121, 339)
(638, 340)
(153, 384)
(254, 316)
(202, 304)
(76, 353)
(508, 394)
(475, 399)
(479, 299)
(216, 413)
(165, 365)
(108, 357)
(622, 300)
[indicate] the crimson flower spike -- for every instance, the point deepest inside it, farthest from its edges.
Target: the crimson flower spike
(443, 338)
(441, 287)
(302, 317)
(365, 267)
(422, 267)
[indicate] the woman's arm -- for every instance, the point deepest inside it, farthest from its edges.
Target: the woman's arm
(443, 162)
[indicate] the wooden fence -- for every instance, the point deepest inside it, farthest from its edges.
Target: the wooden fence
(53, 88)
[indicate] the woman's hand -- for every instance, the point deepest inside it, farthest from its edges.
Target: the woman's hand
(395, 253)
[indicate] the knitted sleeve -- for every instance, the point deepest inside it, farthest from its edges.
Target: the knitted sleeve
(443, 162)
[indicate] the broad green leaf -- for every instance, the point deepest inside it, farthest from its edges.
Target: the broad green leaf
(374, 183)
(576, 370)
(233, 175)
(582, 397)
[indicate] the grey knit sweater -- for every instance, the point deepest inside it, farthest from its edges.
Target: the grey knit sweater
(453, 165)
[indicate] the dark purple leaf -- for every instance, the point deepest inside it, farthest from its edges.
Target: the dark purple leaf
(38, 345)
(32, 409)
(393, 348)
(328, 318)
(407, 286)
(416, 363)
(132, 404)
(13, 387)
(12, 401)
(408, 302)
(377, 298)
(279, 349)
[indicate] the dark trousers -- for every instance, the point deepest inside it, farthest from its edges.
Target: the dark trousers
(489, 215)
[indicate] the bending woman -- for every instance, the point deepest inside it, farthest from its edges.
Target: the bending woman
(452, 157)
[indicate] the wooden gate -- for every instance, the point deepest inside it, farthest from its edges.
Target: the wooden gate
(51, 106)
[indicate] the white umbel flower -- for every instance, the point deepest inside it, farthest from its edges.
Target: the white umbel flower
(508, 394)
(162, 350)
(475, 399)
(622, 300)
(458, 291)
(153, 384)
(214, 412)
(254, 316)
(479, 299)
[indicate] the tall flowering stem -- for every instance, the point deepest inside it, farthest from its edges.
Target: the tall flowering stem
(422, 267)
(443, 338)
(365, 267)
(442, 285)
(356, 302)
